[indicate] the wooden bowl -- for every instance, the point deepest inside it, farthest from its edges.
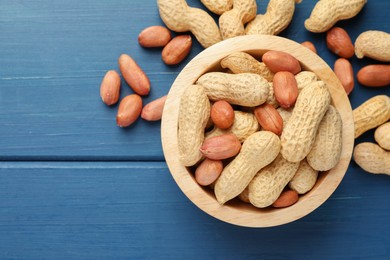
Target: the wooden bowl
(235, 211)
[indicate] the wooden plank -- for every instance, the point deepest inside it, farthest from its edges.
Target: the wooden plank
(53, 55)
(64, 210)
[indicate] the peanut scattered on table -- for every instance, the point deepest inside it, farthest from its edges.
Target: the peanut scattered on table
(371, 114)
(326, 13)
(277, 17)
(373, 44)
(382, 136)
(374, 75)
(339, 42)
(232, 22)
(179, 17)
(372, 158)
(110, 87)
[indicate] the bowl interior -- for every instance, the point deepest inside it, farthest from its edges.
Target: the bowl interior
(235, 211)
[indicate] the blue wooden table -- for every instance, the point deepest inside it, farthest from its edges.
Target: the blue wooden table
(73, 185)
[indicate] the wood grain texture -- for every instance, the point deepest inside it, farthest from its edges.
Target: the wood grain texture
(71, 210)
(57, 201)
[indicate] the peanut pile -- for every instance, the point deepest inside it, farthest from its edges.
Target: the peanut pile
(248, 118)
(261, 149)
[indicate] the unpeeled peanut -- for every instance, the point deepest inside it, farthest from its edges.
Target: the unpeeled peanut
(305, 78)
(154, 36)
(221, 147)
(231, 23)
(242, 62)
(372, 158)
(257, 151)
(299, 133)
(277, 17)
(344, 72)
(154, 109)
(304, 179)
(110, 87)
(208, 171)
(129, 110)
(243, 126)
(373, 44)
(285, 114)
(222, 114)
(281, 61)
(245, 89)
(194, 113)
(218, 6)
(370, 114)
(326, 150)
(339, 42)
(134, 75)
(382, 136)
(177, 49)
(269, 118)
(270, 181)
(179, 17)
(326, 13)
(285, 88)
(375, 75)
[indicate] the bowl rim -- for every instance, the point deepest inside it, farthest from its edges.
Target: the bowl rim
(240, 215)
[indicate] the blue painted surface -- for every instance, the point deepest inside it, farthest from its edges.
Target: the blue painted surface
(74, 185)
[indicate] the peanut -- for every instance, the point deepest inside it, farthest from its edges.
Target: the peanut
(273, 61)
(222, 114)
(339, 42)
(269, 118)
(344, 72)
(372, 113)
(285, 114)
(373, 44)
(310, 46)
(242, 62)
(299, 133)
(286, 199)
(110, 87)
(304, 179)
(376, 75)
(177, 49)
(270, 181)
(231, 23)
(134, 75)
(208, 171)
(245, 89)
(372, 158)
(154, 36)
(326, 150)
(179, 17)
(129, 110)
(305, 78)
(285, 88)
(194, 112)
(218, 6)
(257, 151)
(271, 99)
(221, 147)
(244, 195)
(327, 13)
(382, 136)
(154, 109)
(277, 17)
(243, 126)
